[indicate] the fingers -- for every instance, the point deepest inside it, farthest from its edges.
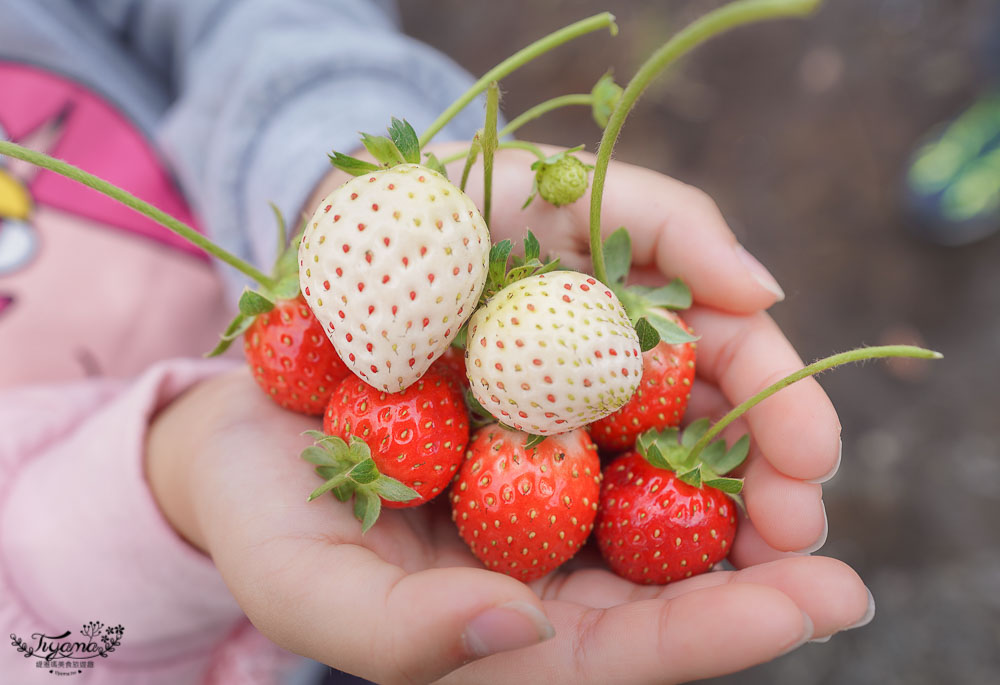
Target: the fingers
(343, 605)
(674, 227)
(797, 429)
(787, 513)
(697, 635)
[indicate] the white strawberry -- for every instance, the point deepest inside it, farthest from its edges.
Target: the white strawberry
(392, 263)
(552, 352)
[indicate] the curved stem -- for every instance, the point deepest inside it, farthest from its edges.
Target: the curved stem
(522, 145)
(857, 355)
(517, 60)
(129, 200)
(712, 24)
(489, 143)
(544, 107)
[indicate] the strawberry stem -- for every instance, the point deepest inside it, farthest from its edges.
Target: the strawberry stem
(489, 142)
(545, 107)
(860, 354)
(712, 24)
(517, 60)
(129, 200)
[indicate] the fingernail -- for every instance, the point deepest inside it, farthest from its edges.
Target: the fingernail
(822, 538)
(760, 273)
(869, 614)
(509, 626)
(821, 640)
(832, 472)
(807, 633)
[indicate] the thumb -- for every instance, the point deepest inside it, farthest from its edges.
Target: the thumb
(371, 618)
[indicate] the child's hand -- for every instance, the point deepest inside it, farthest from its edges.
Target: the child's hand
(408, 603)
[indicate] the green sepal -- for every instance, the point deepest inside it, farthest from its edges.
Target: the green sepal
(352, 165)
(499, 254)
(458, 342)
(498, 276)
(282, 228)
(669, 332)
(730, 486)
(732, 457)
(618, 255)
(344, 492)
(532, 248)
(393, 490)
(606, 94)
(434, 164)
(534, 441)
(287, 288)
(319, 435)
(691, 477)
(694, 431)
(674, 295)
(237, 327)
(287, 265)
(382, 149)
(649, 337)
(367, 507)
(330, 484)
(712, 453)
(405, 139)
(478, 416)
(364, 472)
(314, 454)
(253, 303)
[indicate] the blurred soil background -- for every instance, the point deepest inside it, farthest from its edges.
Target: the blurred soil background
(801, 131)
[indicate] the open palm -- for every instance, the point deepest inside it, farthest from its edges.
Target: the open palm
(407, 602)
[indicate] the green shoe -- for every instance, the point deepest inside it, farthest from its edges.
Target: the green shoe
(953, 184)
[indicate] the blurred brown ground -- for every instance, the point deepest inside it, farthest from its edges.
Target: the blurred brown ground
(801, 130)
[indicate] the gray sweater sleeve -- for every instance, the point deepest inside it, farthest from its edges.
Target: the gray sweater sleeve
(262, 90)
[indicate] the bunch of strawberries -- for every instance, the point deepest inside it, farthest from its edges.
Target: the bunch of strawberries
(545, 402)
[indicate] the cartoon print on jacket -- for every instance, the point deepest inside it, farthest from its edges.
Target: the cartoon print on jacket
(87, 286)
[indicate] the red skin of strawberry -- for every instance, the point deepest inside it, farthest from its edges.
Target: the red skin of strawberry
(523, 512)
(452, 363)
(292, 359)
(653, 528)
(660, 400)
(417, 436)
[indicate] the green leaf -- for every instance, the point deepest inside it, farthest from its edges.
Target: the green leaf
(606, 94)
(358, 450)
(315, 454)
(656, 456)
(393, 490)
(693, 432)
(367, 506)
(434, 164)
(315, 435)
(728, 485)
(735, 456)
(406, 140)
(382, 149)
(253, 303)
(352, 165)
(674, 295)
(649, 337)
(532, 248)
(364, 472)
(237, 327)
(618, 255)
(670, 333)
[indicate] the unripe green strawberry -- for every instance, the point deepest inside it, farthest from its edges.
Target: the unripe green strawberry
(392, 263)
(561, 182)
(552, 352)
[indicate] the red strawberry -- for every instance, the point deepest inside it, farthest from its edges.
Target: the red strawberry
(416, 437)
(525, 510)
(452, 364)
(659, 401)
(663, 511)
(291, 358)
